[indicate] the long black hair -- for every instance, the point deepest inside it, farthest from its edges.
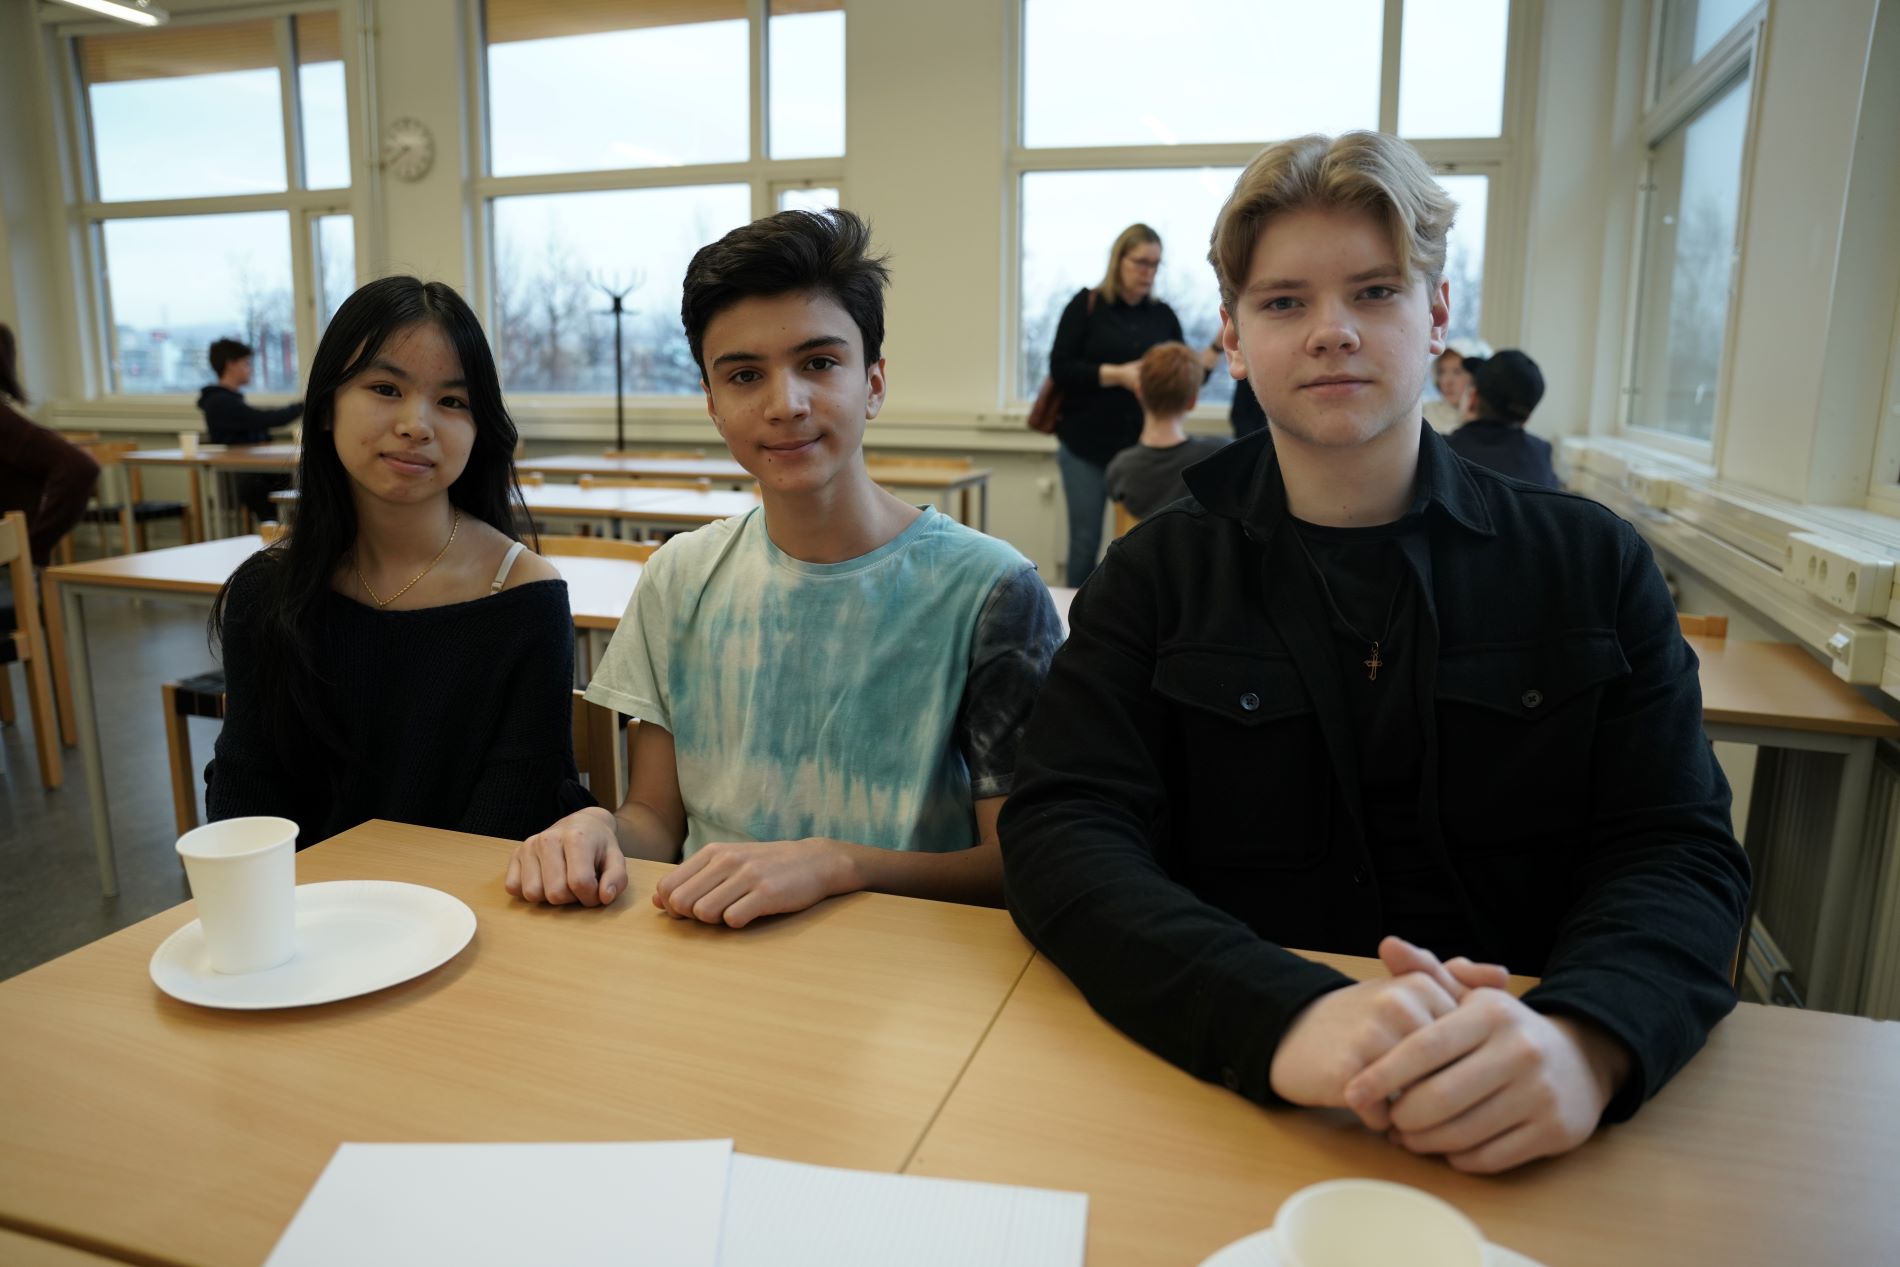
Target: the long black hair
(293, 576)
(10, 388)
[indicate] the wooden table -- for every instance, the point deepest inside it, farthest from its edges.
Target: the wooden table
(146, 1128)
(1778, 1144)
(255, 458)
(660, 507)
(1776, 695)
(598, 591)
(940, 481)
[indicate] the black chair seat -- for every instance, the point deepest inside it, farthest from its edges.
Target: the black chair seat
(142, 512)
(205, 691)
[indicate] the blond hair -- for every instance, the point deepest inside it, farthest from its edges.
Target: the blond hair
(1361, 171)
(1170, 379)
(1133, 236)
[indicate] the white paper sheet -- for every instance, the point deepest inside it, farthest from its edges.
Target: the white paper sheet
(502, 1205)
(783, 1214)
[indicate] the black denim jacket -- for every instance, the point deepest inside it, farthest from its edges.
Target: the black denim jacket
(1186, 803)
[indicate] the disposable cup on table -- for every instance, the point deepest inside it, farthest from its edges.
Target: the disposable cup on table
(188, 443)
(243, 873)
(1373, 1223)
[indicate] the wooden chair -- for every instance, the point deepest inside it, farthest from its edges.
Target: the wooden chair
(701, 485)
(659, 455)
(23, 640)
(201, 696)
(597, 736)
(874, 460)
(1124, 518)
(598, 548)
(134, 512)
(271, 531)
(530, 479)
(1703, 626)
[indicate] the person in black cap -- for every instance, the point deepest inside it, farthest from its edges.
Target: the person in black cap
(1505, 388)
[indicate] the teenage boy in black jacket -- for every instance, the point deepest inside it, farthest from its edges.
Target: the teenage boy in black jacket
(1363, 696)
(230, 420)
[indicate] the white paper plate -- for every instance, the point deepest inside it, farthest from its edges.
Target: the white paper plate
(353, 937)
(1257, 1251)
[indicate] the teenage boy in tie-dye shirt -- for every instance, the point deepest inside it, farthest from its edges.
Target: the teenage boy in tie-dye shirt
(831, 687)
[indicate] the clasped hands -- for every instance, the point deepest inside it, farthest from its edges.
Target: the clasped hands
(1444, 1060)
(578, 860)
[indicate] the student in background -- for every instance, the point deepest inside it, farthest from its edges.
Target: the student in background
(831, 687)
(229, 420)
(1449, 377)
(399, 654)
(1505, 389)
(1098, 347)
(1147, 475)
(41, 473)
(1360, 696)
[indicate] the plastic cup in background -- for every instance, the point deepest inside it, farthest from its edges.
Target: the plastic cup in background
(243, 873)
(188, 443)
(1372, 1223)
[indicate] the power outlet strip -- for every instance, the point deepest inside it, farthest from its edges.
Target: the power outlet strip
(1845, 578)
(1857, 653)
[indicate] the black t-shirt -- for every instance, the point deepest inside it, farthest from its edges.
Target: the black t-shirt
(1370, 593)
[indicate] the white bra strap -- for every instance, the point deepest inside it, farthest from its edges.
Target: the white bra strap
(501, 577)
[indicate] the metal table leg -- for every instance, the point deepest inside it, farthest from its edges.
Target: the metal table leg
(88, 718)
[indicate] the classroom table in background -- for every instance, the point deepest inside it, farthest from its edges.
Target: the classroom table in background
(675, 508)
(275, 458)
(598, 593)
(873, 1032)
(144, 1127)
(940, 481)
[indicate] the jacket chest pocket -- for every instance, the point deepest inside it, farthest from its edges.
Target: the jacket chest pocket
(1249, 783)
(1517, 726)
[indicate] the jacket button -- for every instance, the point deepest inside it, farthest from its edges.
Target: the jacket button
(1249, 702)
(1533, 698)
(1360, 875)
(1230, 1079)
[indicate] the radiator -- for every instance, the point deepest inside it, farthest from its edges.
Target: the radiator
(1791, 819)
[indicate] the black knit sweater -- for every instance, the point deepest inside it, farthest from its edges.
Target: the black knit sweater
(456, 717)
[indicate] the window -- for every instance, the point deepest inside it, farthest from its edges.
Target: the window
(183, 122)
(1089, 162)
(1694, 197)
(1690, 31)
(598, 182)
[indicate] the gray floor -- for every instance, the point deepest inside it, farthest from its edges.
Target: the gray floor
(49, 886)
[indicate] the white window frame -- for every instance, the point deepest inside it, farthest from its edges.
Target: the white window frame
(1502, 158)
(764, 175)
(87, 213)
(1737, 54)
(1883, 491)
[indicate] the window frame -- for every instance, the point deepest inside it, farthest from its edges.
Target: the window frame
(763, 175)
(1504, 159)
(1737, 55)
(1883, 490)
(87, 214)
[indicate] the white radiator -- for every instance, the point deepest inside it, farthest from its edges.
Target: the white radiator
(1791, 819)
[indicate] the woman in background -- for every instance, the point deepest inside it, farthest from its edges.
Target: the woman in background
(399, 654)
(1446, 414)
(41, 473)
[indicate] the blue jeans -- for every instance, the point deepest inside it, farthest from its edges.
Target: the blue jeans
(1085, 491)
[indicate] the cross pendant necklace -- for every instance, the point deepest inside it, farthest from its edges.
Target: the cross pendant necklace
(1373, 662)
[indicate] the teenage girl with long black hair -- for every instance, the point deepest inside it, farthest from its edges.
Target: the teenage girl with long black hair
(399, 653)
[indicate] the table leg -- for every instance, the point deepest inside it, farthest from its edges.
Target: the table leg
(963, 503)
(89, 740)
(56, 660)
(195, 508)
(1828, 986)
(128, 519)
(983, 506)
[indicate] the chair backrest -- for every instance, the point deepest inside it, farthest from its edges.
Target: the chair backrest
(599, 548)
(659, 455)
(270, 531)
(874, 460)
(17, 559)
(1704, 626)
(107, 452)
(596, 736)
(1124, 519)
(13, 536)
(530, 479)
(642, 481)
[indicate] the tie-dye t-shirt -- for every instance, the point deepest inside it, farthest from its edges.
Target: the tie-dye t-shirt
(871, 700)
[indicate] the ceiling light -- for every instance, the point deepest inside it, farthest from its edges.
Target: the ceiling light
(137, 12)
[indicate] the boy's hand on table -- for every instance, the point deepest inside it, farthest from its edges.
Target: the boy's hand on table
(734, 883)
(576, 860)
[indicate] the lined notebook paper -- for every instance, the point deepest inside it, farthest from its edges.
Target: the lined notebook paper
(681, 1204)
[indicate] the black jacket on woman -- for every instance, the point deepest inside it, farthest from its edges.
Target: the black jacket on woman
(1187, 799)
(1098, 422)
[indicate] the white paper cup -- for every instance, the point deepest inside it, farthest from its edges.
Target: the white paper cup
(1372, 1223)
(188, 443)
(243, 873)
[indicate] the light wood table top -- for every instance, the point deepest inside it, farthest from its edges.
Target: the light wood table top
(20, 1250)
(1778, 1144)
(645, 505)
(1780, 684)
(223, 457)
(140, 1125)
(892, 472)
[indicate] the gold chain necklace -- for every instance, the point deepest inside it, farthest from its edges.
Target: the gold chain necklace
(384, 602)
